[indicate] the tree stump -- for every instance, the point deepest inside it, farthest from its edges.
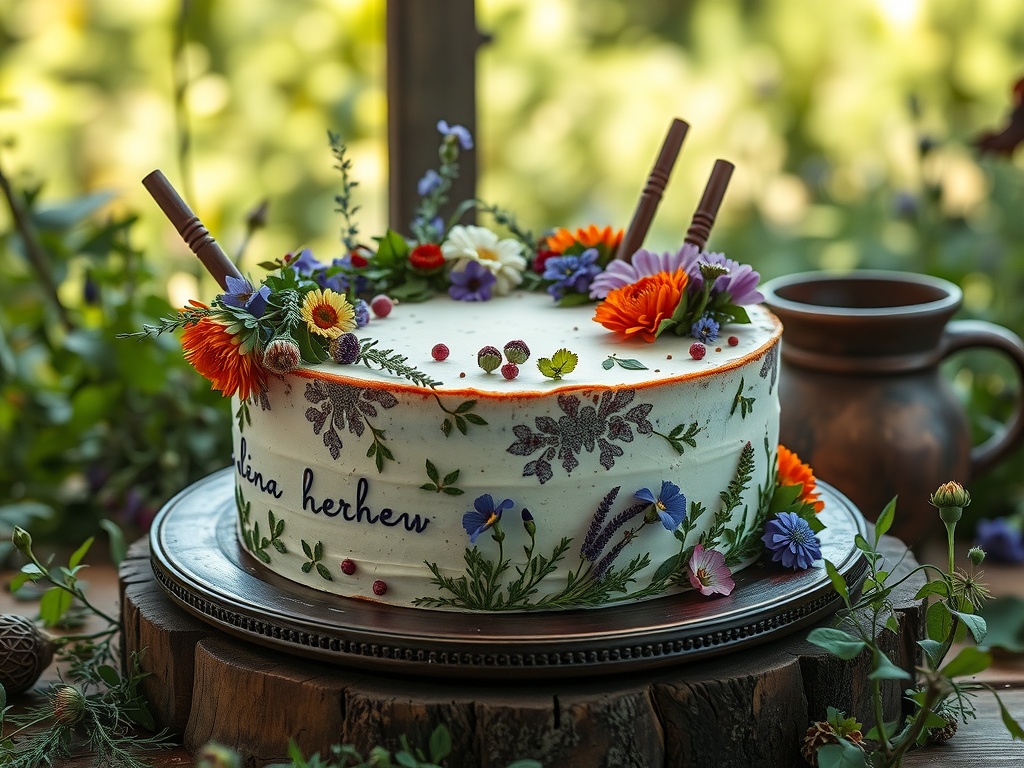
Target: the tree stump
(749, 708)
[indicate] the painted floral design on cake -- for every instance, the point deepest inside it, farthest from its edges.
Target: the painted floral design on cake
(341, 407)
(583, 427)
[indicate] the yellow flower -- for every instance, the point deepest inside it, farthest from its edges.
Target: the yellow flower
(328, 313)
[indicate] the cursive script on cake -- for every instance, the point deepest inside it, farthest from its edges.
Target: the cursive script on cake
(361, 513)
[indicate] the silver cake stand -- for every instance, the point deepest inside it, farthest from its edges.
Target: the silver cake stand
(200, 565)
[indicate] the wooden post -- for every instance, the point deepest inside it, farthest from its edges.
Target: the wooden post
(431, 76)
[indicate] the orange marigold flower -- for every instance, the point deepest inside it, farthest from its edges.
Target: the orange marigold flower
(792, 471)
(214, 353)
(638, 309)
(591, 237)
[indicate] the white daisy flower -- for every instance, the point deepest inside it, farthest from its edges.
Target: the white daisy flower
(502, 258)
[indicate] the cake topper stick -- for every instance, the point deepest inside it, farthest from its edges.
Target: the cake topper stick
(707, 209)
(653, 190)
(191, 229)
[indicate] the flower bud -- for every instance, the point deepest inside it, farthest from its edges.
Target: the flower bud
(528, 524)
(976, 555)
(488, 358)
(282, 355)
(517, 352)
(68, 705)
(950, 498)
(345, 349)
(22, 540)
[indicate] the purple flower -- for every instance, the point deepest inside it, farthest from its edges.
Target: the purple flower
(458, 132)
(620, 273)
(471, 284)
(1001, 539)
(705, 329)
(709, 574)
(791, 541)
(429, 183)
(484, 515)
(740, 282)
(305, 263)
(362, 313)
(241, 294)
(572, 272)
(669, 506)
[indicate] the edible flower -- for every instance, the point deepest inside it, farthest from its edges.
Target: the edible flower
(215, 354)
(640, 308)
(240, 293)
(669, 505)
(620, 273)
(606, 240)
(792, 471)
(473, 283)
(503, 258)
(709, 574)
(571, 272)
(791, 541)
(484, 515)
(327, 313)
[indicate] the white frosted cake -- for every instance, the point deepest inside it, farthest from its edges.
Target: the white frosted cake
(357, 483)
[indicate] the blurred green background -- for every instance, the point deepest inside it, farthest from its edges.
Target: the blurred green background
(851, 126)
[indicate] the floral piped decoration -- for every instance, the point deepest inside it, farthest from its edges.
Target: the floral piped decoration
(668, 506)
(708, 572)
(484, 516)
(790, 541)
(712, 294)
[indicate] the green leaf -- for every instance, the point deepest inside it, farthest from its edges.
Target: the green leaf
(118, 547)
(109, 675)
(452, 491)
(407, 760)
(969, 661)
(440, 744)
(432, 472)
(884, 521)
(466, 406)
(54, 603)
(976, 624)
(1005, 619)
(933, 651)
(667, 568)
(837, 642)
(307, 550)
(324, 573)
(1016, 732)
(307, 567)
(838, 581)
(884, 669)
(608, 364)
(938, 587)
(893, 624)
(451, 477)
(841, 755)
(938, 622)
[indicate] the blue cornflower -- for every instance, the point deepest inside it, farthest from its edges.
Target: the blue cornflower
(241, 294)
(486, 515)
(791, 541)
(362, 312)
(429, 183)
(306, 263)
(669, 506)
(472, 283)
(459, 132)
(705, 329)
(1001, 539)
(571, 272)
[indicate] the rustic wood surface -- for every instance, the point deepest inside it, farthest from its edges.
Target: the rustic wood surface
(621, 721)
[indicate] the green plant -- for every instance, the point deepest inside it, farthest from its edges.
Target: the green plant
(940, 693)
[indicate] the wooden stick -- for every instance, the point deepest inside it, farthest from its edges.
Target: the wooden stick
(707, 209)
(650, 197)
(192, 231)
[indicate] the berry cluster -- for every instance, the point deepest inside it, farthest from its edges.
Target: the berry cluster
(515, 354)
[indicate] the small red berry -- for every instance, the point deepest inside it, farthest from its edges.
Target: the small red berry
(697, 350)
(358, 259)
(381, 305)
(379, 588)
(439, 352)
(734, 340)
(510, 370)
(348, 567)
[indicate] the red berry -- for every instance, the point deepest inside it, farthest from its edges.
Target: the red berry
(439, 352)
(379, 588)
(510, 370)
(698, 350)
(734, 340)
(358, 260)
(381, 305)
(348, 567)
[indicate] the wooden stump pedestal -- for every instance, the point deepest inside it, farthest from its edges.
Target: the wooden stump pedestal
(749, 708)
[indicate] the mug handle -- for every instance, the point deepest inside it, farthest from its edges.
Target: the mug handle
(970, 334)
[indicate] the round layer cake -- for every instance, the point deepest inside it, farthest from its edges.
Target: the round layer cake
(532, 493)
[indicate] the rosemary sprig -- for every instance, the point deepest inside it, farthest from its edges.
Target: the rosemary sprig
(349, 228)
(388, 360)
(185, 317)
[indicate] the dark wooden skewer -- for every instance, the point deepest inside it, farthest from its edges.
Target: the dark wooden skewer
(650, 197)
(707, 209)
(191, 229)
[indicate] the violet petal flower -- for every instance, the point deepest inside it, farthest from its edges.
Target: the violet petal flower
(430, 182)
(1001, 540)
(791, 541)
(240, 293)
(305, 263)
(460, 132)
(670, 504)
(740, 282)
(572, 273)
(483, 515)
(709, 574)
(472, 283)
(620, 273)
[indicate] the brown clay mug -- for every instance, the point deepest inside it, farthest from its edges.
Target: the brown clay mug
(863, 400)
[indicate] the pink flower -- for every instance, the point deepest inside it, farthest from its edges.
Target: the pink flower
(621, 273)
(709, 574)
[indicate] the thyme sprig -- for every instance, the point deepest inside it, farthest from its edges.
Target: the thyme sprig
(349, 228)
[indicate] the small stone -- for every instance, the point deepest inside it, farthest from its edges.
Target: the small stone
(510, 370)
(379, 588)
(698, 350)
(381, 305)
(440, 352)
(517, 352)
(718, 349)
(348, 567)
(733, 340)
